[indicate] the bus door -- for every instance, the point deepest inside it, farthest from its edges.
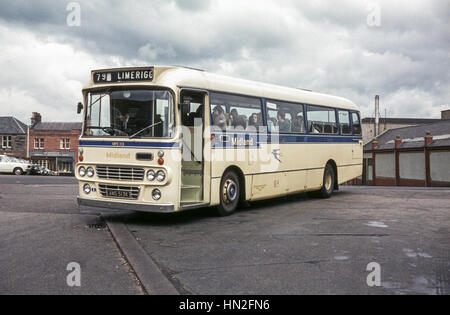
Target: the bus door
(192, 164)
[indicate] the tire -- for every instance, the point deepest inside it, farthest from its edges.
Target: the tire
(18, 171)
(329, 178)
(229, 194)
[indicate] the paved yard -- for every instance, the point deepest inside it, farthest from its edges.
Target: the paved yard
(298, 245)
(294, 245)
(42, 231)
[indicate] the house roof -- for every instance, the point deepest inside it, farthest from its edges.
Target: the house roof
(57, 126)
(12, 126)
(405, 121)
(414, 136)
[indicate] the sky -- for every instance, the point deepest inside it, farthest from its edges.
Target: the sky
(355, 49)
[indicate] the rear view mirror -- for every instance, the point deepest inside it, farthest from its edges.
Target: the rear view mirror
(79, 108)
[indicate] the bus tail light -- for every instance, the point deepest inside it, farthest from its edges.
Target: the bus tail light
(160, 161)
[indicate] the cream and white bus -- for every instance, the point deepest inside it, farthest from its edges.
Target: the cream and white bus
(167, 139)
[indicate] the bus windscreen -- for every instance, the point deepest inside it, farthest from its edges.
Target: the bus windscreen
(134, 113)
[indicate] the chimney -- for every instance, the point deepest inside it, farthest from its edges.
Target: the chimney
(398, 141)
(35, 118)
(428, 138)
(375, 143)
(377, 115)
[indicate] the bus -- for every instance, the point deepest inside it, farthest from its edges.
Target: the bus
(167, 139)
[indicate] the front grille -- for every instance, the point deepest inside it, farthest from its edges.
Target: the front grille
(120, 173)
(119, 192)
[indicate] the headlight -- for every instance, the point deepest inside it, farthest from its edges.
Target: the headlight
(151, 175)
(156, 194)
(90, 172)
(87, 189)
(161, 176)
(82, 171)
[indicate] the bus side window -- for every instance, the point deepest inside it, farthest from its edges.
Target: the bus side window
(356, 124)
(285, 117)
(239, 112)
(344, 122)
(322, 120)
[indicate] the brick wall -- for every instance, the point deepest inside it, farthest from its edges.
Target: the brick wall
(18, 148)
(52, 140)
(52, 144)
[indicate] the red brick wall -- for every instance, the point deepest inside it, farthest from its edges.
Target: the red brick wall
(52, 140)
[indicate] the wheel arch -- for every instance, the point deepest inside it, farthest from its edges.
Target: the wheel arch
(335, 169)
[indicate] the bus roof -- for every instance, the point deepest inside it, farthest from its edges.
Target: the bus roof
(175, 76)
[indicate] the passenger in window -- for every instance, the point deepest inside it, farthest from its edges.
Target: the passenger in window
(236, 121)
(284, 124)
(254, 121)
(298, 124)
(218, 117)
(271, 124)
(123, 121)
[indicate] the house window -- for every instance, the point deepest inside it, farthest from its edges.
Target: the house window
(38, 143)
(7, 142)
(64, 144)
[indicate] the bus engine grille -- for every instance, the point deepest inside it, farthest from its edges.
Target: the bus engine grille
(120, 173)
(120, 192)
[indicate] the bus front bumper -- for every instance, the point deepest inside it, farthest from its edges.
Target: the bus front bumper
(117, 205)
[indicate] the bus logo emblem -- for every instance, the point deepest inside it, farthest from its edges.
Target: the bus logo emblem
(276, 154)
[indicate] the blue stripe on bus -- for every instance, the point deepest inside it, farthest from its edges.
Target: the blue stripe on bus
(234, 140)
(254, 140)
(128, 144)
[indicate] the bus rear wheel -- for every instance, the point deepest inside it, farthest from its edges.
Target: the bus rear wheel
(229, 194)
(329, 178)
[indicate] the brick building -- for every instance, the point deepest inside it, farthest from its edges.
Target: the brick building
(54, 144)
(410, 156)
(13, 137)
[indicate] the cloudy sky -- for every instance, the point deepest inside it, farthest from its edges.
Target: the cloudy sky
(351, 48)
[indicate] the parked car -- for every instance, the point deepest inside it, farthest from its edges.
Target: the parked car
(44, 171)
(13, 165)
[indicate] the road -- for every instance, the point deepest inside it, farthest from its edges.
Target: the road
(42, 231)
(293, 245)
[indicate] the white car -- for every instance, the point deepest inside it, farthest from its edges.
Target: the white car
(13, 165)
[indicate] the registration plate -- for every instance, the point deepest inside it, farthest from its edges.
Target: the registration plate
(118, 194)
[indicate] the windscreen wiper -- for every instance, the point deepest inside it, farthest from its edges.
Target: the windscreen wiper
(142, 130)
(108, 92)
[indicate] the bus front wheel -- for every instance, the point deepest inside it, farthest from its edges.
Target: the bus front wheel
(329, 178)
(229, 194)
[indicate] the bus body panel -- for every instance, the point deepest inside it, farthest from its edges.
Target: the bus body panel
(103, 155)
(293, 168)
